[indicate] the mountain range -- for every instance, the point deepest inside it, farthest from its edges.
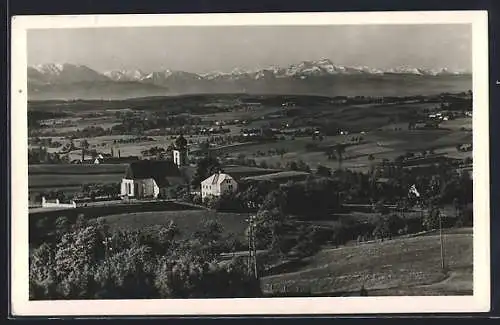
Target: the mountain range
(72, 81)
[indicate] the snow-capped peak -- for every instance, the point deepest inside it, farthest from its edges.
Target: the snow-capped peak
(49, 68)
(405, 70)
(125, 75)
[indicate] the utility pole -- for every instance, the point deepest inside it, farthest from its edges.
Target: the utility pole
(441, 239)
(250, 236)
(252, 247)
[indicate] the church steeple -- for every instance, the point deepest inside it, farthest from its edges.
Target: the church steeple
(180, 151)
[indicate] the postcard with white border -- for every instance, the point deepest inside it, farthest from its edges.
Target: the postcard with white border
(250, 164)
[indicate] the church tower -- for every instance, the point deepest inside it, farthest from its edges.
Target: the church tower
(180, 151)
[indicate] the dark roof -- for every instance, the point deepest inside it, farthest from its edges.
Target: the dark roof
(238, 172)
(117, 160)
(160, 170)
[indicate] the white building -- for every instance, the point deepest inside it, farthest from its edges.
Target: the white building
(218, 184)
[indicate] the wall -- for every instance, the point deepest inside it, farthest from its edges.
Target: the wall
(180, 157)
(57, 204)
(211, 190)
(148, 188)
(124, 187)
(229, 185)
(103, 210)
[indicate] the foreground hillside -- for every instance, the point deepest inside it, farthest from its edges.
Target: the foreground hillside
(405, 266)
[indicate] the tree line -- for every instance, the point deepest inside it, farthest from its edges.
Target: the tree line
(92, 261)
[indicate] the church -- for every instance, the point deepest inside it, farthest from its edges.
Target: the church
(152, 178)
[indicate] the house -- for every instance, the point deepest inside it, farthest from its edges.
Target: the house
(218, 184)
(150, 179)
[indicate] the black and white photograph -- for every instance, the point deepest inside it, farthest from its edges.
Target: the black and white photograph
(269, 163)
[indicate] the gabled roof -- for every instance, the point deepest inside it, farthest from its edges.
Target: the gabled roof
(160, 170)
(217, 178)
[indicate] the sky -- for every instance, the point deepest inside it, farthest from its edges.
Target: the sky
(205, 49)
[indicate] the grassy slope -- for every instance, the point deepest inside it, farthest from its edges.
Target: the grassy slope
(409, 266)
(187, 220)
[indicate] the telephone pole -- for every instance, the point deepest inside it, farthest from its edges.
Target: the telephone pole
(441, 240)
(252, 247)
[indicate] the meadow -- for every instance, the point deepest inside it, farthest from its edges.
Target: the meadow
(73, 169)
(402, 266)
(70, 178)
(187, 221)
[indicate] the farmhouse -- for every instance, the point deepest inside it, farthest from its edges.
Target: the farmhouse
(150, 179)
(218, 184)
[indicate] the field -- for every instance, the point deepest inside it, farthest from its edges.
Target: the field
(48, 177)
(403, 266)
(77, 169)
(458, 124)
(187, 221)
(48, 182)
(381, 144)
(70, 178)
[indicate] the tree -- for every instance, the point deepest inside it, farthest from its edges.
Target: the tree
(205, 167)
(371, 159)
(395, 224)
(275, 200)
(380, 208)
(323, 171)
(62, 225)
(42, 277)
(431, 218)
(93, 262)
(292, 165)
(458, 206)
(382, 229)
(84, 144)
(340, 150)
(263, 164)
(269, 232)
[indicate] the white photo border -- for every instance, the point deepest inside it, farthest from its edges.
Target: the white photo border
(19, 268)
